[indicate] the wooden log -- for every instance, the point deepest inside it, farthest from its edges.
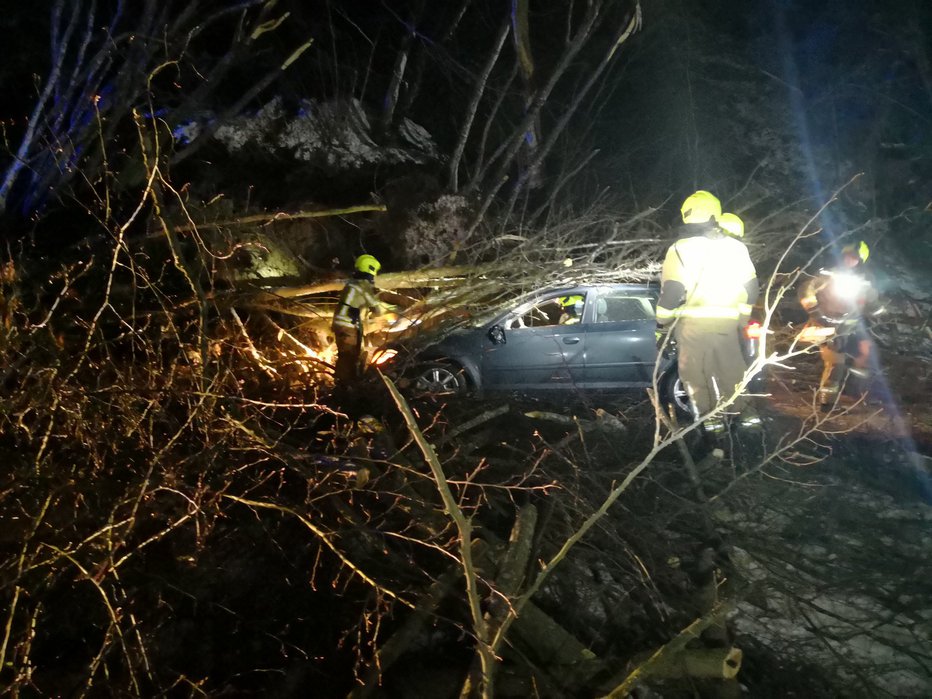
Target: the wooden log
(699, 663)
(509, 577)
(718, 663)
(603, 420)
(437, 276)
(623, 684)
(514, 563)
(552, 652)
(473, 423)
(552, 645)
(535, 633)
(267, 218)
(408, 632)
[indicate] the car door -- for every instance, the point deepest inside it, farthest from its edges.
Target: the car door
(537, 351)
(620, 344)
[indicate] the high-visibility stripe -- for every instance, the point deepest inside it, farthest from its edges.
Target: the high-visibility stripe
(342, 319)
(715, 275)
(355, 295)
(705, 312)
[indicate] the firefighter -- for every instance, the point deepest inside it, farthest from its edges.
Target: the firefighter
(708, 287)
(358, 298)
(572, 309)
(838, 302)
(732, 225)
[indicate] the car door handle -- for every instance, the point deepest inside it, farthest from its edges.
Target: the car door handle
(570, 340)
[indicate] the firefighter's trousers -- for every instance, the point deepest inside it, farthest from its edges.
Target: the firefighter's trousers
(836, 354)
(349, 350)
(711, 363)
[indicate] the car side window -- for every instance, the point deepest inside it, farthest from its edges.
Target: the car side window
(621, 305)
(546, 313)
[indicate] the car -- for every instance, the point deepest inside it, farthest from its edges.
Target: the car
(591, 338)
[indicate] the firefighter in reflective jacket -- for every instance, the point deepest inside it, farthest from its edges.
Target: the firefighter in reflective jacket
(708, 287)
(358, 297)
(572, 309)
(838, 301)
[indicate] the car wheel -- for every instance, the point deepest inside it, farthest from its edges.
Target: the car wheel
(439, 379)
(673, 393)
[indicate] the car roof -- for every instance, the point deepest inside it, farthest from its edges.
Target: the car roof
(531, 296)
(557, 290)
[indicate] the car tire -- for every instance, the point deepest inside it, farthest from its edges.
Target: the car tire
(439, 379)
(672, 393)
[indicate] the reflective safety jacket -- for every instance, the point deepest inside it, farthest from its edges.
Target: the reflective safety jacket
(357, 295)
(707, 276)
(839, 296)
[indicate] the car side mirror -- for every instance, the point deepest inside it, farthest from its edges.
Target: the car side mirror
(497, 335)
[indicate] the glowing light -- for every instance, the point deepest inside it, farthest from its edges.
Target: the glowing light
(847, 286)
(815, 333)
(754, 330)
(383, 356)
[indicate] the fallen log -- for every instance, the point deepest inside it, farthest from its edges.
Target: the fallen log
(472, 424)
(509, 577)
(511, 572)
(537, 636)
(568, 661)
(666, 657)
(266, 218)
(698, 663)
(437, 276)
(603, 420)
(712, 663)
(411, 629)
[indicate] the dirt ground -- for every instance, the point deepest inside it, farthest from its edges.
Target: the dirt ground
(898, 407)
(840, 547)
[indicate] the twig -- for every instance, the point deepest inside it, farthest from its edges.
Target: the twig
(463, 526)
(326, 542)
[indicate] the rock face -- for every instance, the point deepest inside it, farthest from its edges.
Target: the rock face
(435, 230)
(260, 257)
(329, 153)
(336, 135)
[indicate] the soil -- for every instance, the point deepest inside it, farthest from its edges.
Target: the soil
(897, 407)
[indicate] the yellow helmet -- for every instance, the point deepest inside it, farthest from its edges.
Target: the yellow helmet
(567, 301)
(700, 207)
(732, 225)
(861, 250)
(368, 264)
